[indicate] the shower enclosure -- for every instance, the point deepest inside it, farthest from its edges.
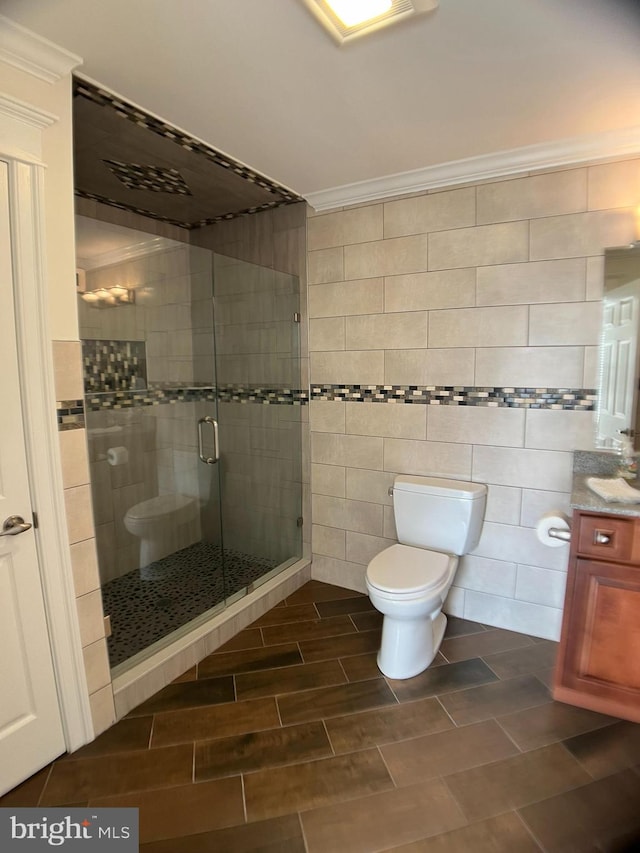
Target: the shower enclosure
(192, 402)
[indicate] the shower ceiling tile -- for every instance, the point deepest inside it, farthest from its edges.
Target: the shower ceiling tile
(109, 130)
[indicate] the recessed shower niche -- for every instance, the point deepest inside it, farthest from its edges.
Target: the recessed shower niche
(194, 428)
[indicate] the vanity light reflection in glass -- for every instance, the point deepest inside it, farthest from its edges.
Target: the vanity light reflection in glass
(109, 297)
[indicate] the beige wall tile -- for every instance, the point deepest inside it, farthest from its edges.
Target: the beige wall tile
(90, 617)
(538, 367)
(405, 367)
(96, 665)
(591, 367)
(352, 297)
(430, 458)
(67, 370)
(357, 451)
(520, 616)
(614, 185)
(503, 504)
(527, 469)
(328, 541)
(364, 485)
(387, 419)
(595, 277)
(386, 257)
(387, 331)
(359, 225)
(486, 244)
(328, 480)
(510, 543)
(327, 415)
(335, 368)
(539, 281)
(325, 265)
(448, 367)
(84, 564)
(339, 572)
(389, 523)
(359, 516)
(479, 327)
(580, 234)
(429, 290)
(433, 212)
(79, 513)
(74, 457)
(560, 430)
(536, 503)
(327, 334)
(486, 575)
(103, 711)
(565, 323)
(540, 586)
(476, 425)
(531, 197)
(362, 548)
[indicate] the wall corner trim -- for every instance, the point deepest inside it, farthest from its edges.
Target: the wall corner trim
(33, 54)
(548, 155)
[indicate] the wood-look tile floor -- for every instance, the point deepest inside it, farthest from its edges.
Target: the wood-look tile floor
(289, 739)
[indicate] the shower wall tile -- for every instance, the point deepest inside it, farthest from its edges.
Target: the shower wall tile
(74, 457)
(359, 225)
(508, 276)
(84, 564)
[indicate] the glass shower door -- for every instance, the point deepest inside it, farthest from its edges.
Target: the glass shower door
(257, 366)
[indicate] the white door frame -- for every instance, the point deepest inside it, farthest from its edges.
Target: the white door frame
(21, 127)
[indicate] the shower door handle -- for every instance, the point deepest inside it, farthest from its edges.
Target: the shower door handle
(208, 460)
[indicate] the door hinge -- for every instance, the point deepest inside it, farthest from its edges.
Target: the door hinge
(296, 317)
(299, 521)
(35, 519)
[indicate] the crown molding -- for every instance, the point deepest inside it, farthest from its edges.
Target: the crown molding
(33, 54)
(563, 152)
(126, 253)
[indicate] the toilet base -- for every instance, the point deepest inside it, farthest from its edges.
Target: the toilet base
(409, 645)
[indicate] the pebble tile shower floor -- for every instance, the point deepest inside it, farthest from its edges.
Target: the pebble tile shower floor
(289, 740)
(145, 607)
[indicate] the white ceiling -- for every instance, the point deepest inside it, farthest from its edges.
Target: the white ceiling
(261, 81)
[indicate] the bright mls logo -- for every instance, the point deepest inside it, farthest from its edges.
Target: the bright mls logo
(79, 830)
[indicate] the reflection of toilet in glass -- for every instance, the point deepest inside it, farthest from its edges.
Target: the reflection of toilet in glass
(436, 521)
(164, 524)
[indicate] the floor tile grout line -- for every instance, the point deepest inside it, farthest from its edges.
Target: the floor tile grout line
(529, 830)
(46, 782)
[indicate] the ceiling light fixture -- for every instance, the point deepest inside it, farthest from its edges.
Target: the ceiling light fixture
(349, 19)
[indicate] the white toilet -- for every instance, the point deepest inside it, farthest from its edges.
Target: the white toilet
(436, 521)
(164, 524)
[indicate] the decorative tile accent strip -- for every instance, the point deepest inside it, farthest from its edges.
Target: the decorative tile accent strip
(157, 396)
(70, 414)
(113, 365)
(578, 399)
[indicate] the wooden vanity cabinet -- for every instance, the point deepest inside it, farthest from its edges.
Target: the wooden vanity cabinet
(598, 664)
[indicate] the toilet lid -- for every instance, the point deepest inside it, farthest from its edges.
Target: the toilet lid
(160, 505)
(402, 569)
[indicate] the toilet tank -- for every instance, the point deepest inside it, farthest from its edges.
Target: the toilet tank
(442, 515)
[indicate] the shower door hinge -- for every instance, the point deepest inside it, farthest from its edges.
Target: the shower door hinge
(107, 626)
(296, 317)
(299, 521)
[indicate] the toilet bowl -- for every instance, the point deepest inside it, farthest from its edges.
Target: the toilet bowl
(163, 524)
(437, 521)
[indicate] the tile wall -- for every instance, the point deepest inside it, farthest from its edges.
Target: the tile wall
(484, 294)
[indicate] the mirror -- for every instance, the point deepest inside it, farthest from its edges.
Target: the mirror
(617, 412)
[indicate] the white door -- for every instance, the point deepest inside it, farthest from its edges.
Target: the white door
(31, 731)
(619, 386)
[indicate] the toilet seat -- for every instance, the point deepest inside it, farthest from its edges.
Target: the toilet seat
(159, 506)
(407, 572)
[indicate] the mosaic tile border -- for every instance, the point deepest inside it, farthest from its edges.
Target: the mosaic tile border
(70, 414)
(576, 399)
(98, 402)
(102, 97)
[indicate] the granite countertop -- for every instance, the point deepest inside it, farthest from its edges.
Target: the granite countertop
(601, 464)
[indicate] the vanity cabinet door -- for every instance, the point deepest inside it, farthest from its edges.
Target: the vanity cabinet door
(599, 659)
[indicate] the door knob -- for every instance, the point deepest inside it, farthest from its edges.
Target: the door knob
(13, 525)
